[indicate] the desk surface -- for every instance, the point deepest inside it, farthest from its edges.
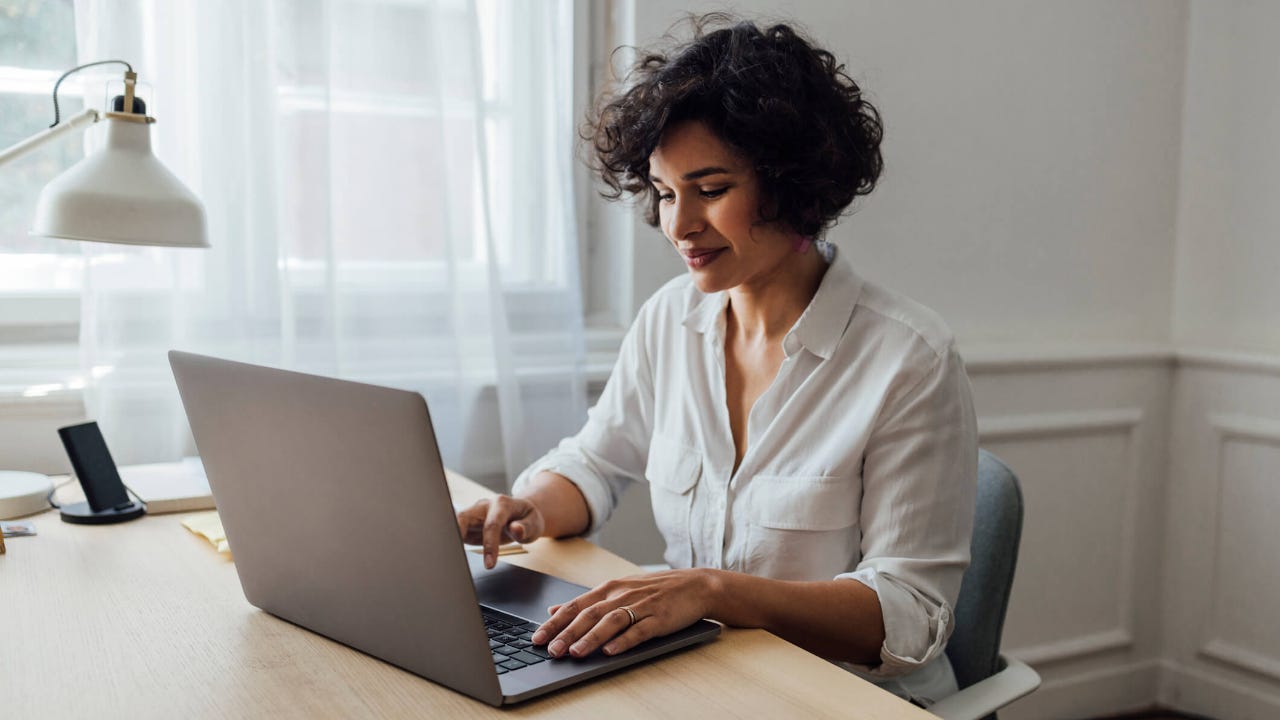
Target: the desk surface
(144, 619)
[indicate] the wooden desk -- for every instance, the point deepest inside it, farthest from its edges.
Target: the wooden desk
(144, 619)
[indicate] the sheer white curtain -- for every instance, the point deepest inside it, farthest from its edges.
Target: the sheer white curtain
(389, 196)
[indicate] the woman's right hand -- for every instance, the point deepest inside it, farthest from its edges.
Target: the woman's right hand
(493, 521)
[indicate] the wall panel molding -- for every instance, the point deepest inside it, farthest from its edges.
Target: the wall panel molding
(1036, 426)
(1076, 647)
(1253, 428)
(1114, 687)
(1240, 657)
(1228, 428)
(1123, 421)
(1230, 360)
(1214, 694)
(985, 358)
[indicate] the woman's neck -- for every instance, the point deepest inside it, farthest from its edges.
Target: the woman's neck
(766, 310)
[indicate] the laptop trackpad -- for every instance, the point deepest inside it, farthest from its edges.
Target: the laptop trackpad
(519, 591)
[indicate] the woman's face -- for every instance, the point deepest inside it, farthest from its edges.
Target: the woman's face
(708, 208)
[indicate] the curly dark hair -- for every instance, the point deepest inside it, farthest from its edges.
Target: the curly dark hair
(779, 101)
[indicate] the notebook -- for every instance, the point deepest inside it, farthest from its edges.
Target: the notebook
(170, 487)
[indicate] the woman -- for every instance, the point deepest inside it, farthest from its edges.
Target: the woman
(808, 437)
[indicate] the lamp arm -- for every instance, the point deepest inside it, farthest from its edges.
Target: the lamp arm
(88, 117)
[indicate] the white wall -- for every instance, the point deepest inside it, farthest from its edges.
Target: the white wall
(1031, 159)
(1228, 260)
(1221, 575)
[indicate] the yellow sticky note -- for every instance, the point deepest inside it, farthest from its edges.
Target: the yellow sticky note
(209, 526)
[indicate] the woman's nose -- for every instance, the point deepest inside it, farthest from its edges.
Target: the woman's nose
(684, 219)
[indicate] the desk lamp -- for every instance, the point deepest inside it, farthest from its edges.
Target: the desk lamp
(119, 194)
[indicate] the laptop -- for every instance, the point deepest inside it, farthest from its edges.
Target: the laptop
(335, 504)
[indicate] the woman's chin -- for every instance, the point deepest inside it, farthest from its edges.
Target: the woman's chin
(707, 283)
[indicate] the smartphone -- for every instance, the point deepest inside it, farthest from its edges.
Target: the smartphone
(94, 467)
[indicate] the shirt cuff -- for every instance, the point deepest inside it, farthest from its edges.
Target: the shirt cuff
(594, 490)
(916, 629)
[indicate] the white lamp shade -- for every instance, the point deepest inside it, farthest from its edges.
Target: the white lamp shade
(121, 194)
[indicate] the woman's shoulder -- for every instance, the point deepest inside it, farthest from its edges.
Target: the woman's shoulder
(886, 312)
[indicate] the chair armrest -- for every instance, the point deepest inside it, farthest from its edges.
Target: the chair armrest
(985, 697)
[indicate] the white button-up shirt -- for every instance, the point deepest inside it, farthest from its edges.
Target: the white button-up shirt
(861, 457)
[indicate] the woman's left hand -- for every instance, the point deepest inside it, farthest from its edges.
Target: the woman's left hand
(663, 602)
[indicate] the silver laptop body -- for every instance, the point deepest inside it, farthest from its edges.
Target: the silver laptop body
(335, 504)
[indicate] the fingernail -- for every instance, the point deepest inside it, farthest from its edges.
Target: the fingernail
(557, 648)
(488, 560)
(610, 648)
(538, 637)
(575, 649)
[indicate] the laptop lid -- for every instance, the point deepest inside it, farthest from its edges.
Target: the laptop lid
(336, 506)
(327, 489)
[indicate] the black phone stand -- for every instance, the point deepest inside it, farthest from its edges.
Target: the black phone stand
(107, 499)
(81, 514)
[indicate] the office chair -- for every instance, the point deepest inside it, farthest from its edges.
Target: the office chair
(988, 680)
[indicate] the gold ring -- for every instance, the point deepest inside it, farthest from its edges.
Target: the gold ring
(630, 613)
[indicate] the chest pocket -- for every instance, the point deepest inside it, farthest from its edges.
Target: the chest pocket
(673, 471)
(802, 527)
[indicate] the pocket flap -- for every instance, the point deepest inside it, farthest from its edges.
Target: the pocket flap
(801, 502)
(672, 466)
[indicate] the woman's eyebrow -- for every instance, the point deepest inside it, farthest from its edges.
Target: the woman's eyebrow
(696, 174)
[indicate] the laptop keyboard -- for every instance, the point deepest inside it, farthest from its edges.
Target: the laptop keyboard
(509, 641)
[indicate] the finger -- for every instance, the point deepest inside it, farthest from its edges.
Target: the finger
(613, 622)
(586, 621)
(527, 528)
(644, 629)
(494, 524)
(470, 520)
(603, 590)
(533, 523)
(562, 615)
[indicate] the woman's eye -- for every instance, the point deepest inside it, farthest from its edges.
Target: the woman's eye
(669, 197)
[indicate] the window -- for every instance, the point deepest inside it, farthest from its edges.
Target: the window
(375, 82)
(39, 278)
(37, 44)
(367, 80)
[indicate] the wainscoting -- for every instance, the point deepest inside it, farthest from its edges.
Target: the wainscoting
(1087, 435)
(1222, 564)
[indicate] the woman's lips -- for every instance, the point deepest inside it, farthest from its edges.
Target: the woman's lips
(701, 258)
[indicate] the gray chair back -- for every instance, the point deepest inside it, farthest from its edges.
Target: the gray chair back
(974, 647)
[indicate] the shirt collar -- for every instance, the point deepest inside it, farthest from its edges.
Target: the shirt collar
(706, 314)
(823, 322)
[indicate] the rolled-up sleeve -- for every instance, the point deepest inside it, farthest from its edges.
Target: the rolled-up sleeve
(610, 450)
(919, 487)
